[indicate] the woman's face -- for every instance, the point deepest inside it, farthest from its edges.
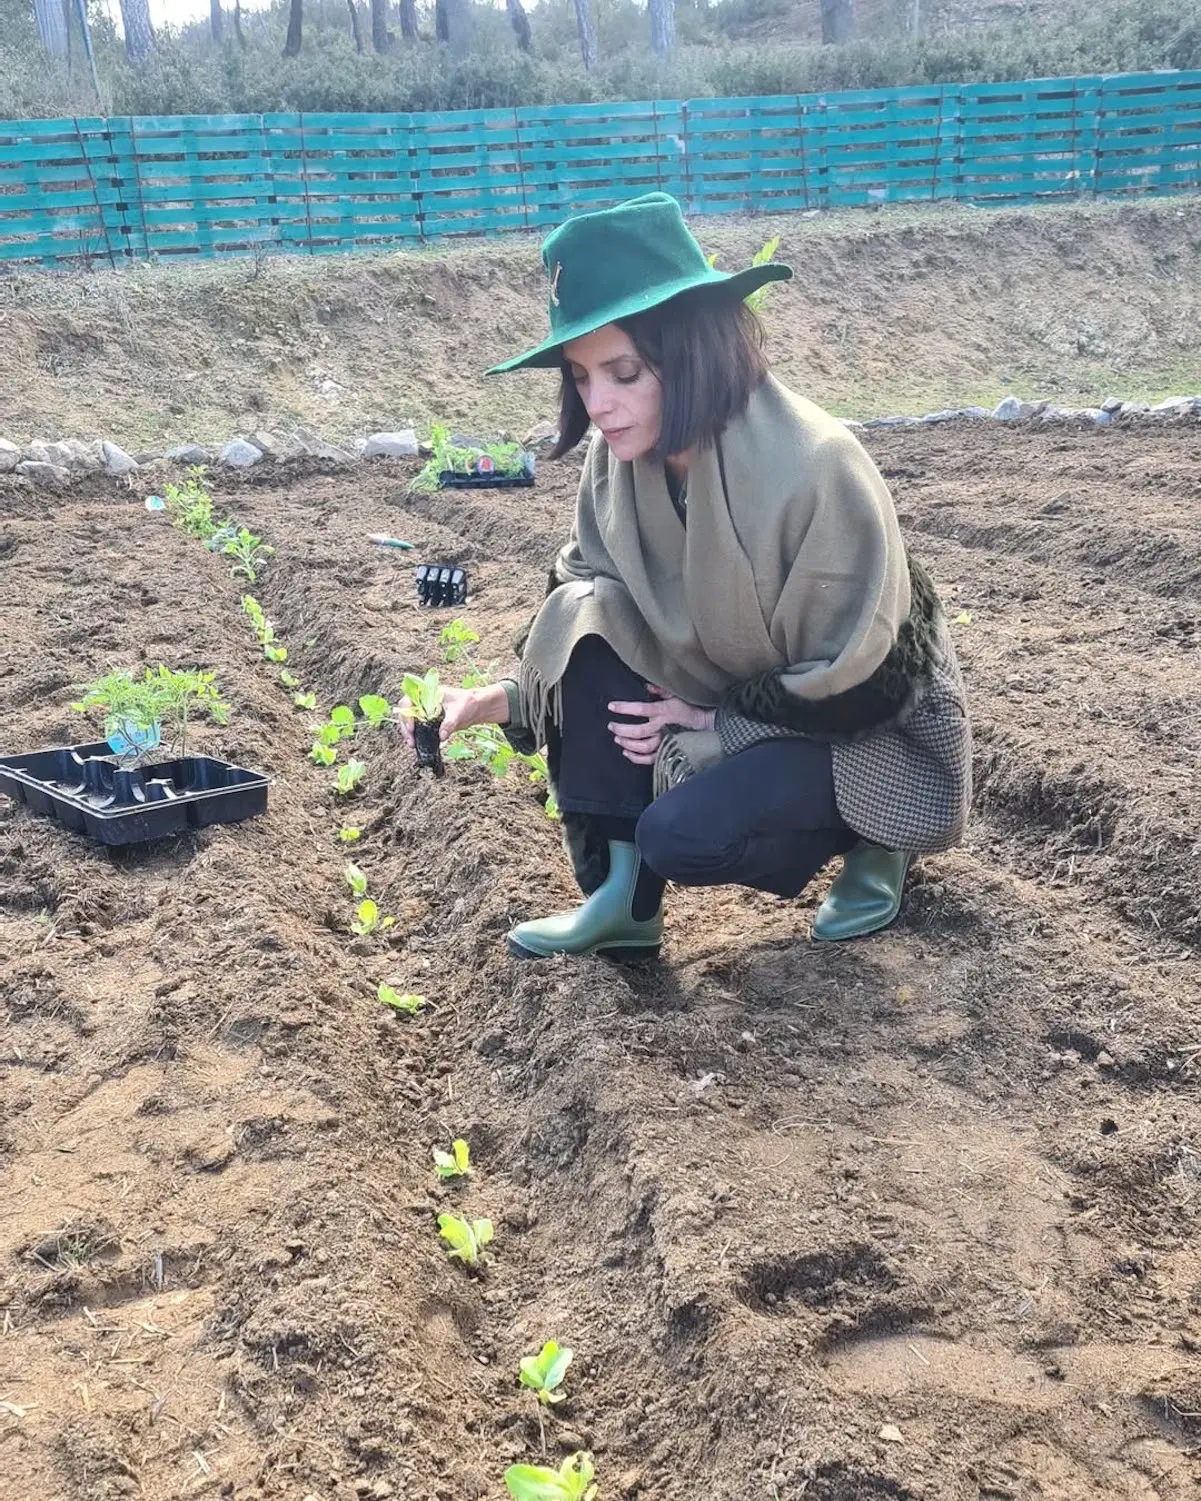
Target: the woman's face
(619, 389)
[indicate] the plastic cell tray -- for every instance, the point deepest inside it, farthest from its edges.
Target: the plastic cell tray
(449, 480)
(84, 788)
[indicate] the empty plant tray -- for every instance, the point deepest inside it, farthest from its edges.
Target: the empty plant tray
(84, 788)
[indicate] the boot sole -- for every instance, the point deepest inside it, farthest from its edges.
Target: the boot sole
(641, 953)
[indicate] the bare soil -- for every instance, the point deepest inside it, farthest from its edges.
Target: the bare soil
(1065, 304)
(913, 1219)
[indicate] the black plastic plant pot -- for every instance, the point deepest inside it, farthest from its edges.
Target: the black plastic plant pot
(428, 744)
(449, 479)
(87, 791)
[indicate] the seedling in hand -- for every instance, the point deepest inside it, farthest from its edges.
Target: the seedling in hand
(349, 777)
(572, 1481)
(425, 710)
(466, 1240)
(454, 1164)
(410, 1005)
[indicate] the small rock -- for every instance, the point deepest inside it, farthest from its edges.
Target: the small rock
(60, 453)
(1174, 404)
(10, 456)
(892, 422)
(401, 444)
(541, 435)
(1104, 1059)
(569, 1440)
(53, 476)
(891, 1434)
(240, 454)
(148, 456)
(267, 445)
(333, 452)
(1134, 408)
(188, 453)
(1112, 404)
(116, 460)
(382, 1490)
(1100, 416)
(86, 458)
(1008, 410)
(212, 1156)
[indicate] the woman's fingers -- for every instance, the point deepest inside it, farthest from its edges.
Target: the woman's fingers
(636, 731)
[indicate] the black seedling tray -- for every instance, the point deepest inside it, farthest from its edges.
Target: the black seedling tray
(440, 584)
(85, 790)
(449, 480)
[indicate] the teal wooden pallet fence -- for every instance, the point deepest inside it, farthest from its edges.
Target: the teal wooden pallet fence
(108, 191)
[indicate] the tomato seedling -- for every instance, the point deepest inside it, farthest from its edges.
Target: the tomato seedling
(250, 554)
(466, 1240)
(456, 1163)
(543, 1373)
(160, 698)
(572, 1481)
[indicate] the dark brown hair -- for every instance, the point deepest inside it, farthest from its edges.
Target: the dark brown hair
(708, 354)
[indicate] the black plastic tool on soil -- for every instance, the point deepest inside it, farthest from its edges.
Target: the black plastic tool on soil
(86, 789)
(427, 743)
(441, 585)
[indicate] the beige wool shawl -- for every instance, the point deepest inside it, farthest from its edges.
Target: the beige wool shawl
(791, 561)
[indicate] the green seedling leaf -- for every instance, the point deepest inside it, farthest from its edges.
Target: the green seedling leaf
(289, 679)
(964, 617)
(424, 694)
(456, 640)
(329, 734)
(349, 835)
(275, 653)
(572, 1481)
(343, 718)
(367, 918)
(305, 700)
(375, 709)
(409, 1004)
(355, 879)
(324, 755)
(543, 1373)
(456, 1163)
(250, 552)
(251, 607)
(466, 1241)
(349, 777)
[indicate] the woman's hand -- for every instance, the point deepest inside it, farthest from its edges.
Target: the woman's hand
(640, 742)
(461, 708)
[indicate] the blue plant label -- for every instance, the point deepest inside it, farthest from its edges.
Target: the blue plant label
(128, 739)
(155, 503)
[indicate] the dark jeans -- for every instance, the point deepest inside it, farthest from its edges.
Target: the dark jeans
(764, 818)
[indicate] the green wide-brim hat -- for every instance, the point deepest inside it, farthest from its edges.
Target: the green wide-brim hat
(612, 264)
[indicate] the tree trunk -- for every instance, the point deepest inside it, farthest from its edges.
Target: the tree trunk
(53, 26)
(520, 23)
(379, 25)
(139, 34)
(216, 20)
(85, 31)
(356, 32)
(238, 32)
(663, 26)
(295, 24)
(408, 20)
(587, 30)
(838, 21)
(452, 24)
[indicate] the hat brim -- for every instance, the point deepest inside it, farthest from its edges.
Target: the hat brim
(735, 286)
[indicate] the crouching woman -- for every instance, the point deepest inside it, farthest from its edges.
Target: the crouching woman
(738, 674)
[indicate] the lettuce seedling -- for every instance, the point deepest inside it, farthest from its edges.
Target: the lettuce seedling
(329, 735)
(375, 709)
(456, 1163)
(275, 653)
(305, 700)
(288, 679)
(465, 1240)
(250, 552)
(355, 879)
(409, 1004)
(349, 835)
(349, 777)
(324, 755)
(252, 608)
(424, 695)
(344, 719)
(367, 919)
(543, 1373)
(572, 1481)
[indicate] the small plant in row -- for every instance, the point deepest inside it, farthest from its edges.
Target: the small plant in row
(265, 631)
(141, 712)
(190, 507)
(368, 918)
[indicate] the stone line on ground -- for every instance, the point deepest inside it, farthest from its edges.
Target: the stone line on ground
(55, 464)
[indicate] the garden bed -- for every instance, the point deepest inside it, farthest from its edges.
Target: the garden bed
(914, 1218)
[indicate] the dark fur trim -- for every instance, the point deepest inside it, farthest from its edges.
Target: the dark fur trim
(877, 700)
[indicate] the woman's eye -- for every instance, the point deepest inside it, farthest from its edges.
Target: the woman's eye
(626, 379)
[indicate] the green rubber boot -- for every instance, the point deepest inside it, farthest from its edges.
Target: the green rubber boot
(866, 896)
(603, 925)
